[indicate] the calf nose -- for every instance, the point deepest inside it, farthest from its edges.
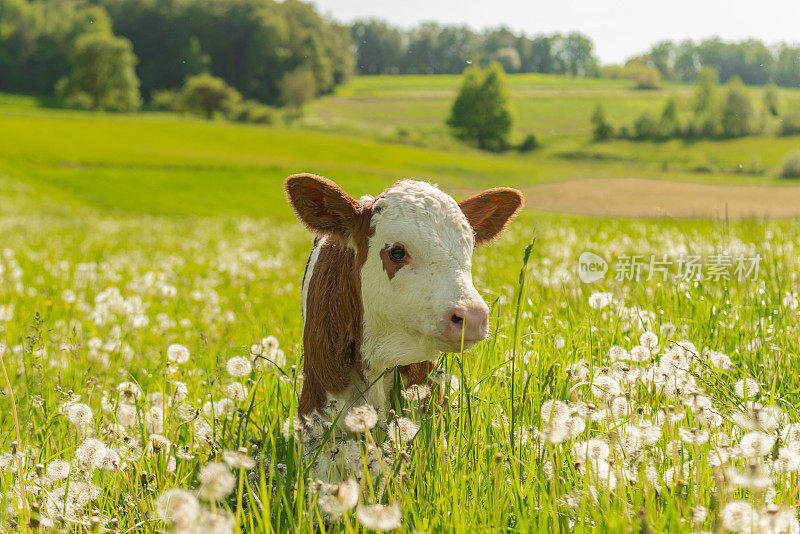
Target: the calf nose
(470, 324)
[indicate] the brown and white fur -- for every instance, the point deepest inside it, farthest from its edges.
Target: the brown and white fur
(388, 284)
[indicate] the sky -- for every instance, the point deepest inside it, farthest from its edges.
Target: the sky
(618, 28)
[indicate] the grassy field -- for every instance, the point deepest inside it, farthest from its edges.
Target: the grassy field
(123, 235)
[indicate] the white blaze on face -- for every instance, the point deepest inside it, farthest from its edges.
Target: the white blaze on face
(409, 311)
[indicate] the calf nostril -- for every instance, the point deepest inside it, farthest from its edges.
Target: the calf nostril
(456, 319)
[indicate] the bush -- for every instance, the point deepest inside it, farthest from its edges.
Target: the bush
(101, 74)
(166, 100)
(207, 95)
(601, 130)
(790, 168)
(646, 127)
(737, 117)
(670, 125)
(254, 112)
(790, 124)
(772, 100)
(645, 77)
(298, 87)
(481, 112)
(528, 144)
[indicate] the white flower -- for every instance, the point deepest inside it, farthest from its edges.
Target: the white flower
(239, 366)
(746, 387)
(593, 449)
(178, 353)
(554, 412)
(639, 353)
(402, 430)
(236, 391)
(79, 414)
(6, 312)
(129, 392)
(739, 516)
(216, 481)
(379, 516)
(57, 470)
(788, 461)
(756, 444)
(361, 418)
(599, 300)
(178, 508)
(605, 387)
(618, 353)
(649, 340)
(693, 436)
(238, 459)
(335, 499)
(719, 360)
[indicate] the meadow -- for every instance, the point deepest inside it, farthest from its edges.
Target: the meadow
(150, 335)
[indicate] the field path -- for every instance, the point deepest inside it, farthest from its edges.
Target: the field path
(635, 197)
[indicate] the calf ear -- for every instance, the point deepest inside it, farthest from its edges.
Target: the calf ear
(490, 212)
(322, 205)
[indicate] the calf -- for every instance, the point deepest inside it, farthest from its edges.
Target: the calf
(388, 283)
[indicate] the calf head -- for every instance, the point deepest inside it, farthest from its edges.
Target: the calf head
(413, 258)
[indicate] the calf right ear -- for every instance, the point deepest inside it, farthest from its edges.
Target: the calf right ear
(322, 205)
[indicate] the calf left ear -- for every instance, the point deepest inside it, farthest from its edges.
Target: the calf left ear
(490, 212)
(322, 205)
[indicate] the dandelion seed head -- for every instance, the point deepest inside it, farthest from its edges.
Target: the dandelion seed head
(178, 508)
(238, 459)
(79, 414)
(335, 499)
(216, 481)
(380, 516)
(756, 444)
(361, 418)
(746, 388)
(239, 366)
(236, 391)
(178, 354)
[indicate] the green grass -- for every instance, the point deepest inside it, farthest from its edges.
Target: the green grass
(121, 235)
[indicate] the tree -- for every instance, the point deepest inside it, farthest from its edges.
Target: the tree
(102, 74)
(298, 87)
(207, 95)
(481, 112)
(670, 124)
(772, 100)
(508, 57)
(707, 81)
(737, 115)
(379, 47)
(601, 130)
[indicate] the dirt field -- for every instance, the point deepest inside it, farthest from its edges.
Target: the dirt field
(632, 197)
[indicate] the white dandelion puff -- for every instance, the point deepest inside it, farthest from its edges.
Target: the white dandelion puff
(216, 481)
(746, 388)
(178, 508)
(239, 366)
(178, 354)
(380, 516)
(361, 418)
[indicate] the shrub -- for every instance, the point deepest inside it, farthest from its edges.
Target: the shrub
(481, 112)
(645, 127)
(102, 74)
(669, 125)
(207, 95)
(298, 87)
(166, 100)
(772, 100)
(528, 144)
(790, 167)
(601, 130)
(645, 77)
(254, 112)
(737, 117)
(790, 124)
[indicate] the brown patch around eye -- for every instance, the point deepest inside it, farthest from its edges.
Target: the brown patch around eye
(390, 265)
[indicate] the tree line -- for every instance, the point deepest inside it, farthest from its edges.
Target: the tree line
(714, 111)
(750, 60)
(435, 49)
(253, 45)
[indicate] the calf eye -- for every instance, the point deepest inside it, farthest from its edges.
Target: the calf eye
(397, 253)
